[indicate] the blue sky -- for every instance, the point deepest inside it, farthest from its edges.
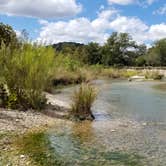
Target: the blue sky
(53, 21)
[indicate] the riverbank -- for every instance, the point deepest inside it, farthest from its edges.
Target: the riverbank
(23, 141)
(14, 125)
(16, 121)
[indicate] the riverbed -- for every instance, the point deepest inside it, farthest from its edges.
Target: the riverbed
(129, 129)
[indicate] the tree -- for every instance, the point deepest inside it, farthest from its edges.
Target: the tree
(139, 55)
(117, 50)
(93, 51)
(156, 55)
(7, 35)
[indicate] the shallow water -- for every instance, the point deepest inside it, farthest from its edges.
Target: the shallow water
(130, 128)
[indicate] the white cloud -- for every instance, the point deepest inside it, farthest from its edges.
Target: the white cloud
(161, 10)
(142, 3)
(104, 17)
(149, 2)
(98, 30)
(43, 22)
(157, 31)
(40, 8)
(18, 33)
(77, 30)
(145, 3)
(121, 2)
(131, 25)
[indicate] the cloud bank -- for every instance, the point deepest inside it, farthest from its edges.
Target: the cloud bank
(40, 8)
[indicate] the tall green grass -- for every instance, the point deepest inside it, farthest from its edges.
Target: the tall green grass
(82, 101)
(26, 71)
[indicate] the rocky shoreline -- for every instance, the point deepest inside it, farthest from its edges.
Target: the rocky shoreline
(16, 121)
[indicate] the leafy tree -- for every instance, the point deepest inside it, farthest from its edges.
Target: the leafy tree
(161, 51)
(116, 51)
(140, 61)
(7, 35)
(139, 55)
(81, 54)
(93, 55)
(156, 55)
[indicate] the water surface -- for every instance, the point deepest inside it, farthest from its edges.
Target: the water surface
(129, 130)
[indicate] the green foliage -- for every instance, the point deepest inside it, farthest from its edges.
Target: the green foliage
(83, 99)
(116, 50)
(12, 101)
(93, 54)
(157, 54)
(140, 61)
(66, 62)
(27, 71)
(3, 95)
(7, 35)
(153, 75)
(111, 73)
(67, 71)
(129, 73)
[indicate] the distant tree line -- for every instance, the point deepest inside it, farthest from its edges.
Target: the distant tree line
(118, 51)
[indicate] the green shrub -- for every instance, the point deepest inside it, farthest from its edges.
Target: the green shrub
(129, 73)
(83, 99)
(3, 95)
(111, 73)
(155, 75)
(27, 71)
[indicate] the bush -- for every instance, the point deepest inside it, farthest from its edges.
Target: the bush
(83, 99)
(129, 73)
(153, 75)
(111, 73)
(7, 35)
(27, 71)
(3, 95)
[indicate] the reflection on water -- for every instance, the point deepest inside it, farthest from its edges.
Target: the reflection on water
(129, 130)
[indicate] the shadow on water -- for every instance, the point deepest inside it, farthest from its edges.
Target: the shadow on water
(161, 87)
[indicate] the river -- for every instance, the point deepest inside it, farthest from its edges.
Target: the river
(129, 129)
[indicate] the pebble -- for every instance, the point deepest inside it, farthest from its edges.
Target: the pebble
(17, 120)
(22, 156)
(144, 124)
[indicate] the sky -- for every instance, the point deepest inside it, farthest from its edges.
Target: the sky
(84, 21)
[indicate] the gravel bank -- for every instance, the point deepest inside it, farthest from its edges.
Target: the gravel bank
(15, 121)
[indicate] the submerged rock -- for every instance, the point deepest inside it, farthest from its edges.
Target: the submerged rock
(137, 78)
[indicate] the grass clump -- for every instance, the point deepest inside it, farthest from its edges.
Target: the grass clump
(83, 99)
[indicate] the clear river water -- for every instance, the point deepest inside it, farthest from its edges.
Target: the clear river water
(129, 129)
